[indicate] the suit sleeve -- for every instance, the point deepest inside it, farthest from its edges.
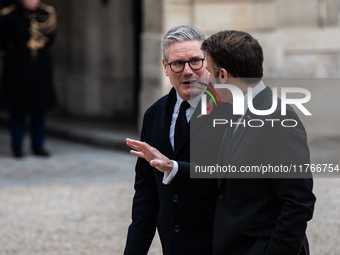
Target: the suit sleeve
(288, 146)
(183, 180)
(144, 209)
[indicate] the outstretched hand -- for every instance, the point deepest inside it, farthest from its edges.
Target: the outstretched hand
(151, 154)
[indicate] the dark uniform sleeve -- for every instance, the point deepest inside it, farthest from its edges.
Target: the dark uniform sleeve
(144, 209)
(4, 28)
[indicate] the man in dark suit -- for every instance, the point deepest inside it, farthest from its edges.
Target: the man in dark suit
(184, 219)
(254, 216)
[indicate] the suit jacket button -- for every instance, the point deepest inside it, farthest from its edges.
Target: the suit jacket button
(177, 228)
(220, 196)
(175, 198)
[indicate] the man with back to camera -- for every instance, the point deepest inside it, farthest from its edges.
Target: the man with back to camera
(184, 219)
(254, 216)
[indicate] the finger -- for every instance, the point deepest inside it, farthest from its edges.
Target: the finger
(137, 153)
(133, 145)
(134, 142)
(139, 144)
(144, 145)
(153, 162)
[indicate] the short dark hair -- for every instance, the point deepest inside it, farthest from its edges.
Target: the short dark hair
(237, 52)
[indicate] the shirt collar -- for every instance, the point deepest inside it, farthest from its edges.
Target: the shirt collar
(192, 101)
(256, 90)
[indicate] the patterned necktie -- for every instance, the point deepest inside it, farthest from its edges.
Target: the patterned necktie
(181, 123)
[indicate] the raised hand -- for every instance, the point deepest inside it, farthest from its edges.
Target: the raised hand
(151, 154)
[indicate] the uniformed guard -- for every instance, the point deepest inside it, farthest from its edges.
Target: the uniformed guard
(27, 29)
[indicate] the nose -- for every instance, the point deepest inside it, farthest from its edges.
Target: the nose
(187, 69)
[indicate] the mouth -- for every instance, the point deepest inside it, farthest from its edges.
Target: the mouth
(188, 82)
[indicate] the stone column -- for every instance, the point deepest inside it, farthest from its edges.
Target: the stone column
(151, 59)
(96, 57)
(84, 88)
(331, 12)
(117, 58)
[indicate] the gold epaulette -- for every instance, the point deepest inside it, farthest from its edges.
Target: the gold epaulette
(2, 53)
(49, 25)
(7, 10)
(48, 8)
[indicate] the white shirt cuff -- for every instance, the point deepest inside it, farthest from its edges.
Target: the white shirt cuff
(167, 178)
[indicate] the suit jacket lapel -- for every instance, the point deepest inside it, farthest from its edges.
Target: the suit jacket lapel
(196, 123)
(224, 148)
(227, 150)
(165, 122)
(241, 130)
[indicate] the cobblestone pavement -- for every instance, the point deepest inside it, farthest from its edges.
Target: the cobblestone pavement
(79, 201)
(76, 202)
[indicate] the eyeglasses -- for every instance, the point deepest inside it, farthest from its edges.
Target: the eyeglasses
(178, 65)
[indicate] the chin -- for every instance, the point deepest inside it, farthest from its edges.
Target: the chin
(33, 8)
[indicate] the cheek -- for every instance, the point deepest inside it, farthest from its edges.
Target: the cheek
(173, 79)
(203, 73)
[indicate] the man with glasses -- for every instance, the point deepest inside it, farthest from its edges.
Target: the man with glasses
(184, 219)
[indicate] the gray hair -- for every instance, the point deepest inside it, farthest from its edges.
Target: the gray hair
(179, 34)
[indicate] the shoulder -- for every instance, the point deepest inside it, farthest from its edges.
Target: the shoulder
(157, 106)
(265, 100)
(7, 10)
(47, 8)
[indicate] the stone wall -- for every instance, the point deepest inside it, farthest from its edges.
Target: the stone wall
(300, 38)
(97, 62)
(96, 58)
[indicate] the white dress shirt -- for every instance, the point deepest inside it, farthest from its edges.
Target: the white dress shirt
(167, 178)
(193, 102)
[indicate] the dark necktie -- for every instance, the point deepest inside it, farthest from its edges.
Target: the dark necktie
(181, 123)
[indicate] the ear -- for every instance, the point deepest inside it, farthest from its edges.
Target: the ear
(164, 66)
(223, 75)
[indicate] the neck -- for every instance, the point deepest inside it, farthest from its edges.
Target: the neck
(241, 84)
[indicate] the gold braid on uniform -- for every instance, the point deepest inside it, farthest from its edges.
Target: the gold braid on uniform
(7, 10)
(39, 31)
(3, 12)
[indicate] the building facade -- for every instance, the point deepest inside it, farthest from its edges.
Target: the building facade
(108, 54)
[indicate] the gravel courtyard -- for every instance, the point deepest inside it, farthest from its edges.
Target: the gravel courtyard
(79, 201)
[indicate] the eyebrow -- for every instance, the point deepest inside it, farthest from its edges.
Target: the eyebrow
(188, 59)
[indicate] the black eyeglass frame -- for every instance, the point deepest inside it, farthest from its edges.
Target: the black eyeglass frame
(184, 62)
